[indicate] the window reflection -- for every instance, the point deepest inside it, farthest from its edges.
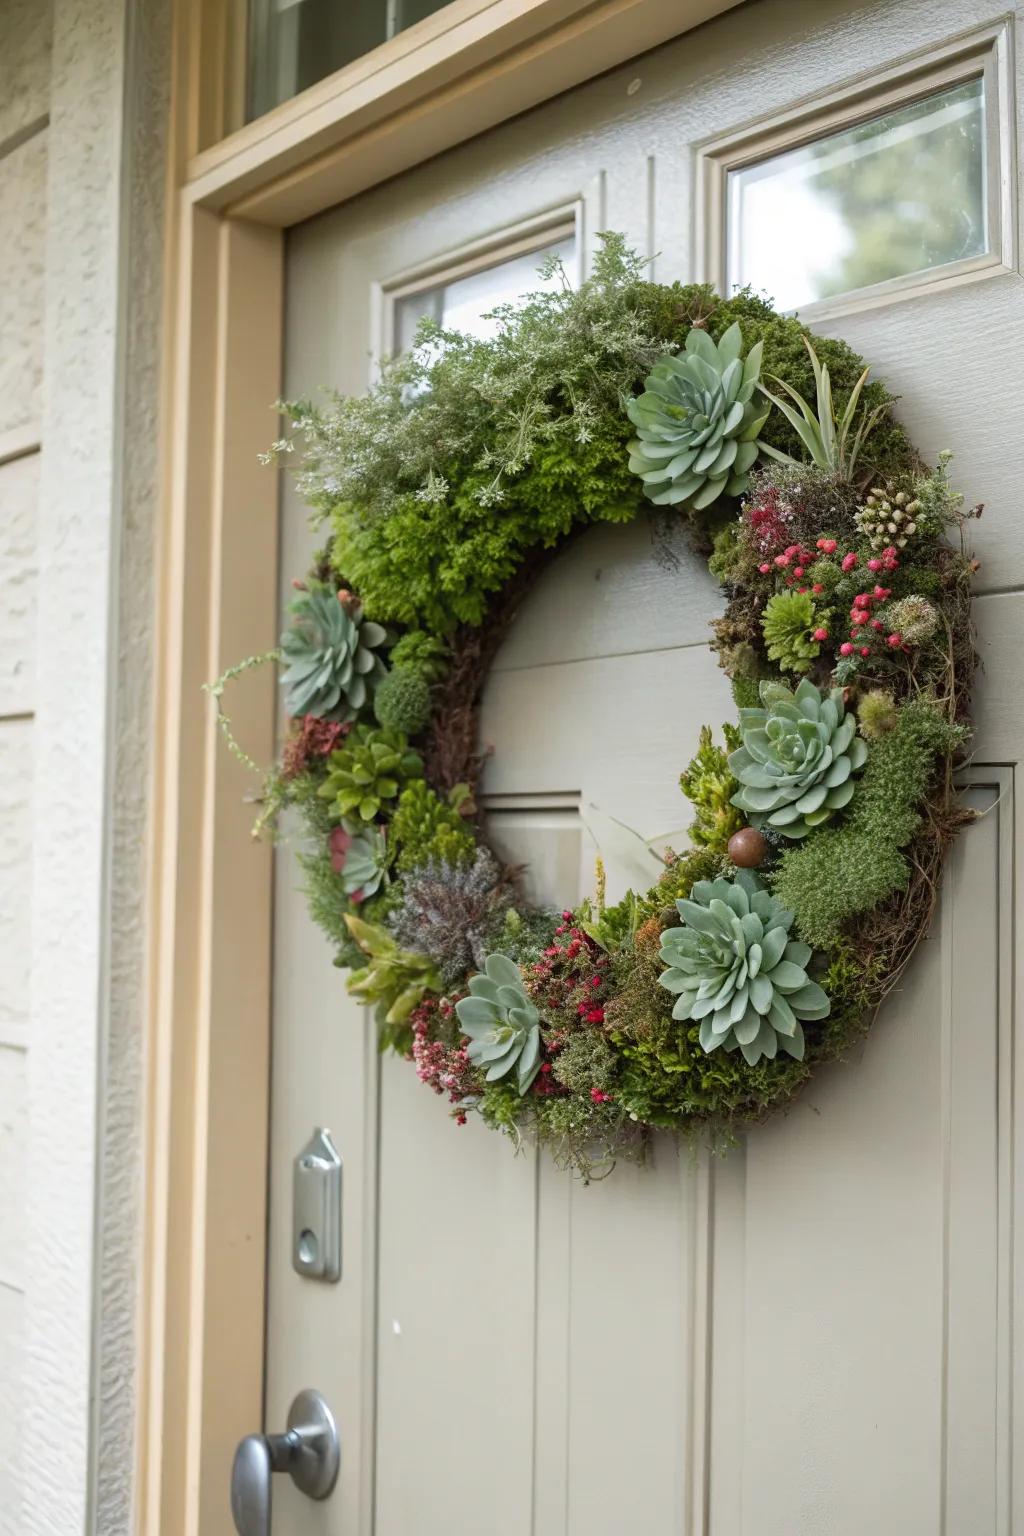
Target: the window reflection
(899, 194)
(295, 43)
(464, 304)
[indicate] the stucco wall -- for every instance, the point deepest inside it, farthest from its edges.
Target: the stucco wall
(25, 33)
(83, 93)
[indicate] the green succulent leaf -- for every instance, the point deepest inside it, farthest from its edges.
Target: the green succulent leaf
(368, 772)
(734, 970)
(330, 666)
(697, 422)
(798, 759)
(501, 1023)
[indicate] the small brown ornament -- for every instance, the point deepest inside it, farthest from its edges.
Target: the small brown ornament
(747, 848)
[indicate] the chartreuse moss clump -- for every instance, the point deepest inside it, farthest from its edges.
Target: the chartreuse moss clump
(425, 827)
(853, 868)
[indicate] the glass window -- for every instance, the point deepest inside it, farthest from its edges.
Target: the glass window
(899, 194)
(294, 43)
(464, 303)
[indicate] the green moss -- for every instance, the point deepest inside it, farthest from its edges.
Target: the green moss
(421, 653)
(402, 701)
(425, 827)
(848, 869)
(745, 691)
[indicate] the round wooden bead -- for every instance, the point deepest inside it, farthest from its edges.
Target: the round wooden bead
(747, 848)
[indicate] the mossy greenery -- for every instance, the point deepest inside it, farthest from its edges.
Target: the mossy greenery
(703, 1003)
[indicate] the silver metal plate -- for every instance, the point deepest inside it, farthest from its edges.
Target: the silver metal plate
(316, 1209)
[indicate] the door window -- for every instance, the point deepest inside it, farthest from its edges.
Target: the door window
(295, 43)
(465, 300)
(901, 193)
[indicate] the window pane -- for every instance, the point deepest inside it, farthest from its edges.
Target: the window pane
(294, 43)
(463, 304)
(902, 193)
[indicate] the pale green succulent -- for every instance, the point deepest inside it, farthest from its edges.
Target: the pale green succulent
(798, 758)
(788, 624)
(393, 980)
(328, 651)
(368, 771)
(697, 422)
(501, 1023)
(360, 857)
(735, 970)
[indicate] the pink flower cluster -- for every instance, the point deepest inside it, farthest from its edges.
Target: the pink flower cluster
(445, 1068)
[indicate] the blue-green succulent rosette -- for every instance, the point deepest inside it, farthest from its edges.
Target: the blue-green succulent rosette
(734, 969)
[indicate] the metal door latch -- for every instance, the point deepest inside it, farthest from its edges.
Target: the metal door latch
(309, 1451)
(316, 1209)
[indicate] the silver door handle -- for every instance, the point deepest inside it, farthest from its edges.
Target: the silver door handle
(309, 1451)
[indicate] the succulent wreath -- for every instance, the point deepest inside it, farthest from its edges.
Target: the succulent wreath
(769, 943)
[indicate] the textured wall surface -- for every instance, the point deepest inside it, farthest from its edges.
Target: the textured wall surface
(25, 27)
(83, 103)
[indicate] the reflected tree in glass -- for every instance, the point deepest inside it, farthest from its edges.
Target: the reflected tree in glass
(901, 193)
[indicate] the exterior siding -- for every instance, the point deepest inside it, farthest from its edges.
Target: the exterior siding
(25, 49)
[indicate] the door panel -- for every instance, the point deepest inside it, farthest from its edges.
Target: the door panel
(811, 1333)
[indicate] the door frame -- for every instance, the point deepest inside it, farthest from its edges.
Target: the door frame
(463, 70)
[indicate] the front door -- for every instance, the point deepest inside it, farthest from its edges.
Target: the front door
(810, 1333)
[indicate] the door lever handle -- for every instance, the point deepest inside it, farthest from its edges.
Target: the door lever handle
(309, 1451)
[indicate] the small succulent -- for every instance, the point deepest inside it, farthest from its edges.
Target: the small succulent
(829, 438)
(368, 772)
(709, 784)
(734, 968)
(790, 624)
(877, 714)
(501, 1023)
(403, 701)
(426, 827)
(697, 423)
(913, 618)
(798, 758)
(887, 518)
(393, 980)
(328, 651)
(360, 856)
(449, 911)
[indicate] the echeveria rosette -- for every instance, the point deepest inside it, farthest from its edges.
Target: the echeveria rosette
(369, 771)
(501, 1023)
(329, 654)
(697, 421)
(360, 856)
(735, 970)
(799, 756)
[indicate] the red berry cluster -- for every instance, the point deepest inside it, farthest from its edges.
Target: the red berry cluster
(569, 984)
(864, 627)
(768, 520)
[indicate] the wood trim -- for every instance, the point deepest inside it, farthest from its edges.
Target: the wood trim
(470, 66)
(212, 912)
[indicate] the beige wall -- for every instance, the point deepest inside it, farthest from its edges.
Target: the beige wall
(25, 38)
(82, 165)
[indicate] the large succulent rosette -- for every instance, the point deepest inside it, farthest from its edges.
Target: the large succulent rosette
(735, 969)
(799, 756)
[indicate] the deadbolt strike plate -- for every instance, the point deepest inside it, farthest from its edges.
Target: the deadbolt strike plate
(316, 1209)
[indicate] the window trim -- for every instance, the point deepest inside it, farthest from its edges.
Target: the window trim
(985, 54)
(519, 239)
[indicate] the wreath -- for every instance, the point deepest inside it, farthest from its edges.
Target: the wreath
(768, 944)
